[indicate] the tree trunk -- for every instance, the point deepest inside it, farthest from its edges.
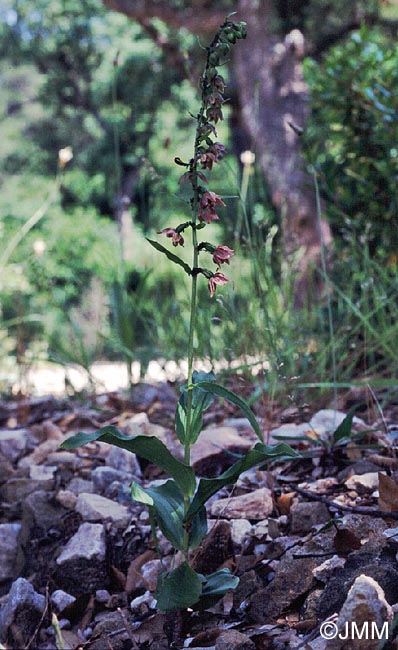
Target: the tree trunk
(273, 96)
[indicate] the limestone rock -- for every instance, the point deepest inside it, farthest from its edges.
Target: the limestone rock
(124, 461)
(240, 530)
(94, 507)
(306, 515)
(43, 473)
(111, 631)
(367, 482)
(13, 443)
(210, 451)
(365, 603)
(21, 614)
(233, 640)
(87, 544)
(60, 600)
(102, 478)
(78, 485)
(9, 534)
(40, 454)
(39, 516)
(18, 489)
(321, 425)
(81, 566)
(326, 421)
(254, 505)
(66, 499)
(150, 572)
(370, 560)
(293, 578)
(66, 459)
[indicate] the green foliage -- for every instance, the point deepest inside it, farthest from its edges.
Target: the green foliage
(201, 400)
(148, 447)
(351, 138)
(167, 501)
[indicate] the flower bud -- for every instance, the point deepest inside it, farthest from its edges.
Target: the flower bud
(243, 28)
(223, 48)
(214, 59)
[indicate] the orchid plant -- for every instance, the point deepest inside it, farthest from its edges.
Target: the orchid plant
(177, 506)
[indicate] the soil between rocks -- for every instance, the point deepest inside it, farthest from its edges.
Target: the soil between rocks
(73, 544)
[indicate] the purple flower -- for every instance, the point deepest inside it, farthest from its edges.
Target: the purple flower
(222, 254)
(213, 154)
(176, 237)
(216, 279)
(207, 207)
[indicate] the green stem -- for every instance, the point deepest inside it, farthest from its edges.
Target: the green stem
(193, 308)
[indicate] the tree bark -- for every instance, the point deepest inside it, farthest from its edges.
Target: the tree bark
(273, 97)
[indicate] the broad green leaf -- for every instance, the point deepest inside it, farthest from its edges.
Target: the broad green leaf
(148, 447)
(170, 255)
(344, 430)
(215, 586)
(198, 528)
(179, 589)
(259, 454)
(201, 400)
(140, 495)
(167, 501)
(220, 391)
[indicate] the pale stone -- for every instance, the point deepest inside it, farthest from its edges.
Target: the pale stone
(82, 566)
(240, 530)
(21, 614)
(67, 499)
(60, 600)
(42, 472)
(291, 432)
(326, 421)
(40, 454)
(365, 603)
(254, 505)
(123, 461)
(234, 640)
(13, 443)
(368, 482)
(94, 507)
(150, 571)
(324, 571)
(87, 544)
(306, 515)
(215, 442)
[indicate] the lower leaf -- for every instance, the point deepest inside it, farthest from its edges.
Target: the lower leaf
(179, 589)
(215, 586)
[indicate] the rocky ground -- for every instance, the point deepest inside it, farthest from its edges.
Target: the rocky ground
(310, 539)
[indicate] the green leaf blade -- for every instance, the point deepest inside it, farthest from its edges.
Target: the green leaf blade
(215, 586)
(148, 447)
(179, 589)
(170, 256)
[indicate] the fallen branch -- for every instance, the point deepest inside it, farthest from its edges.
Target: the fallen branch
(358, 510)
